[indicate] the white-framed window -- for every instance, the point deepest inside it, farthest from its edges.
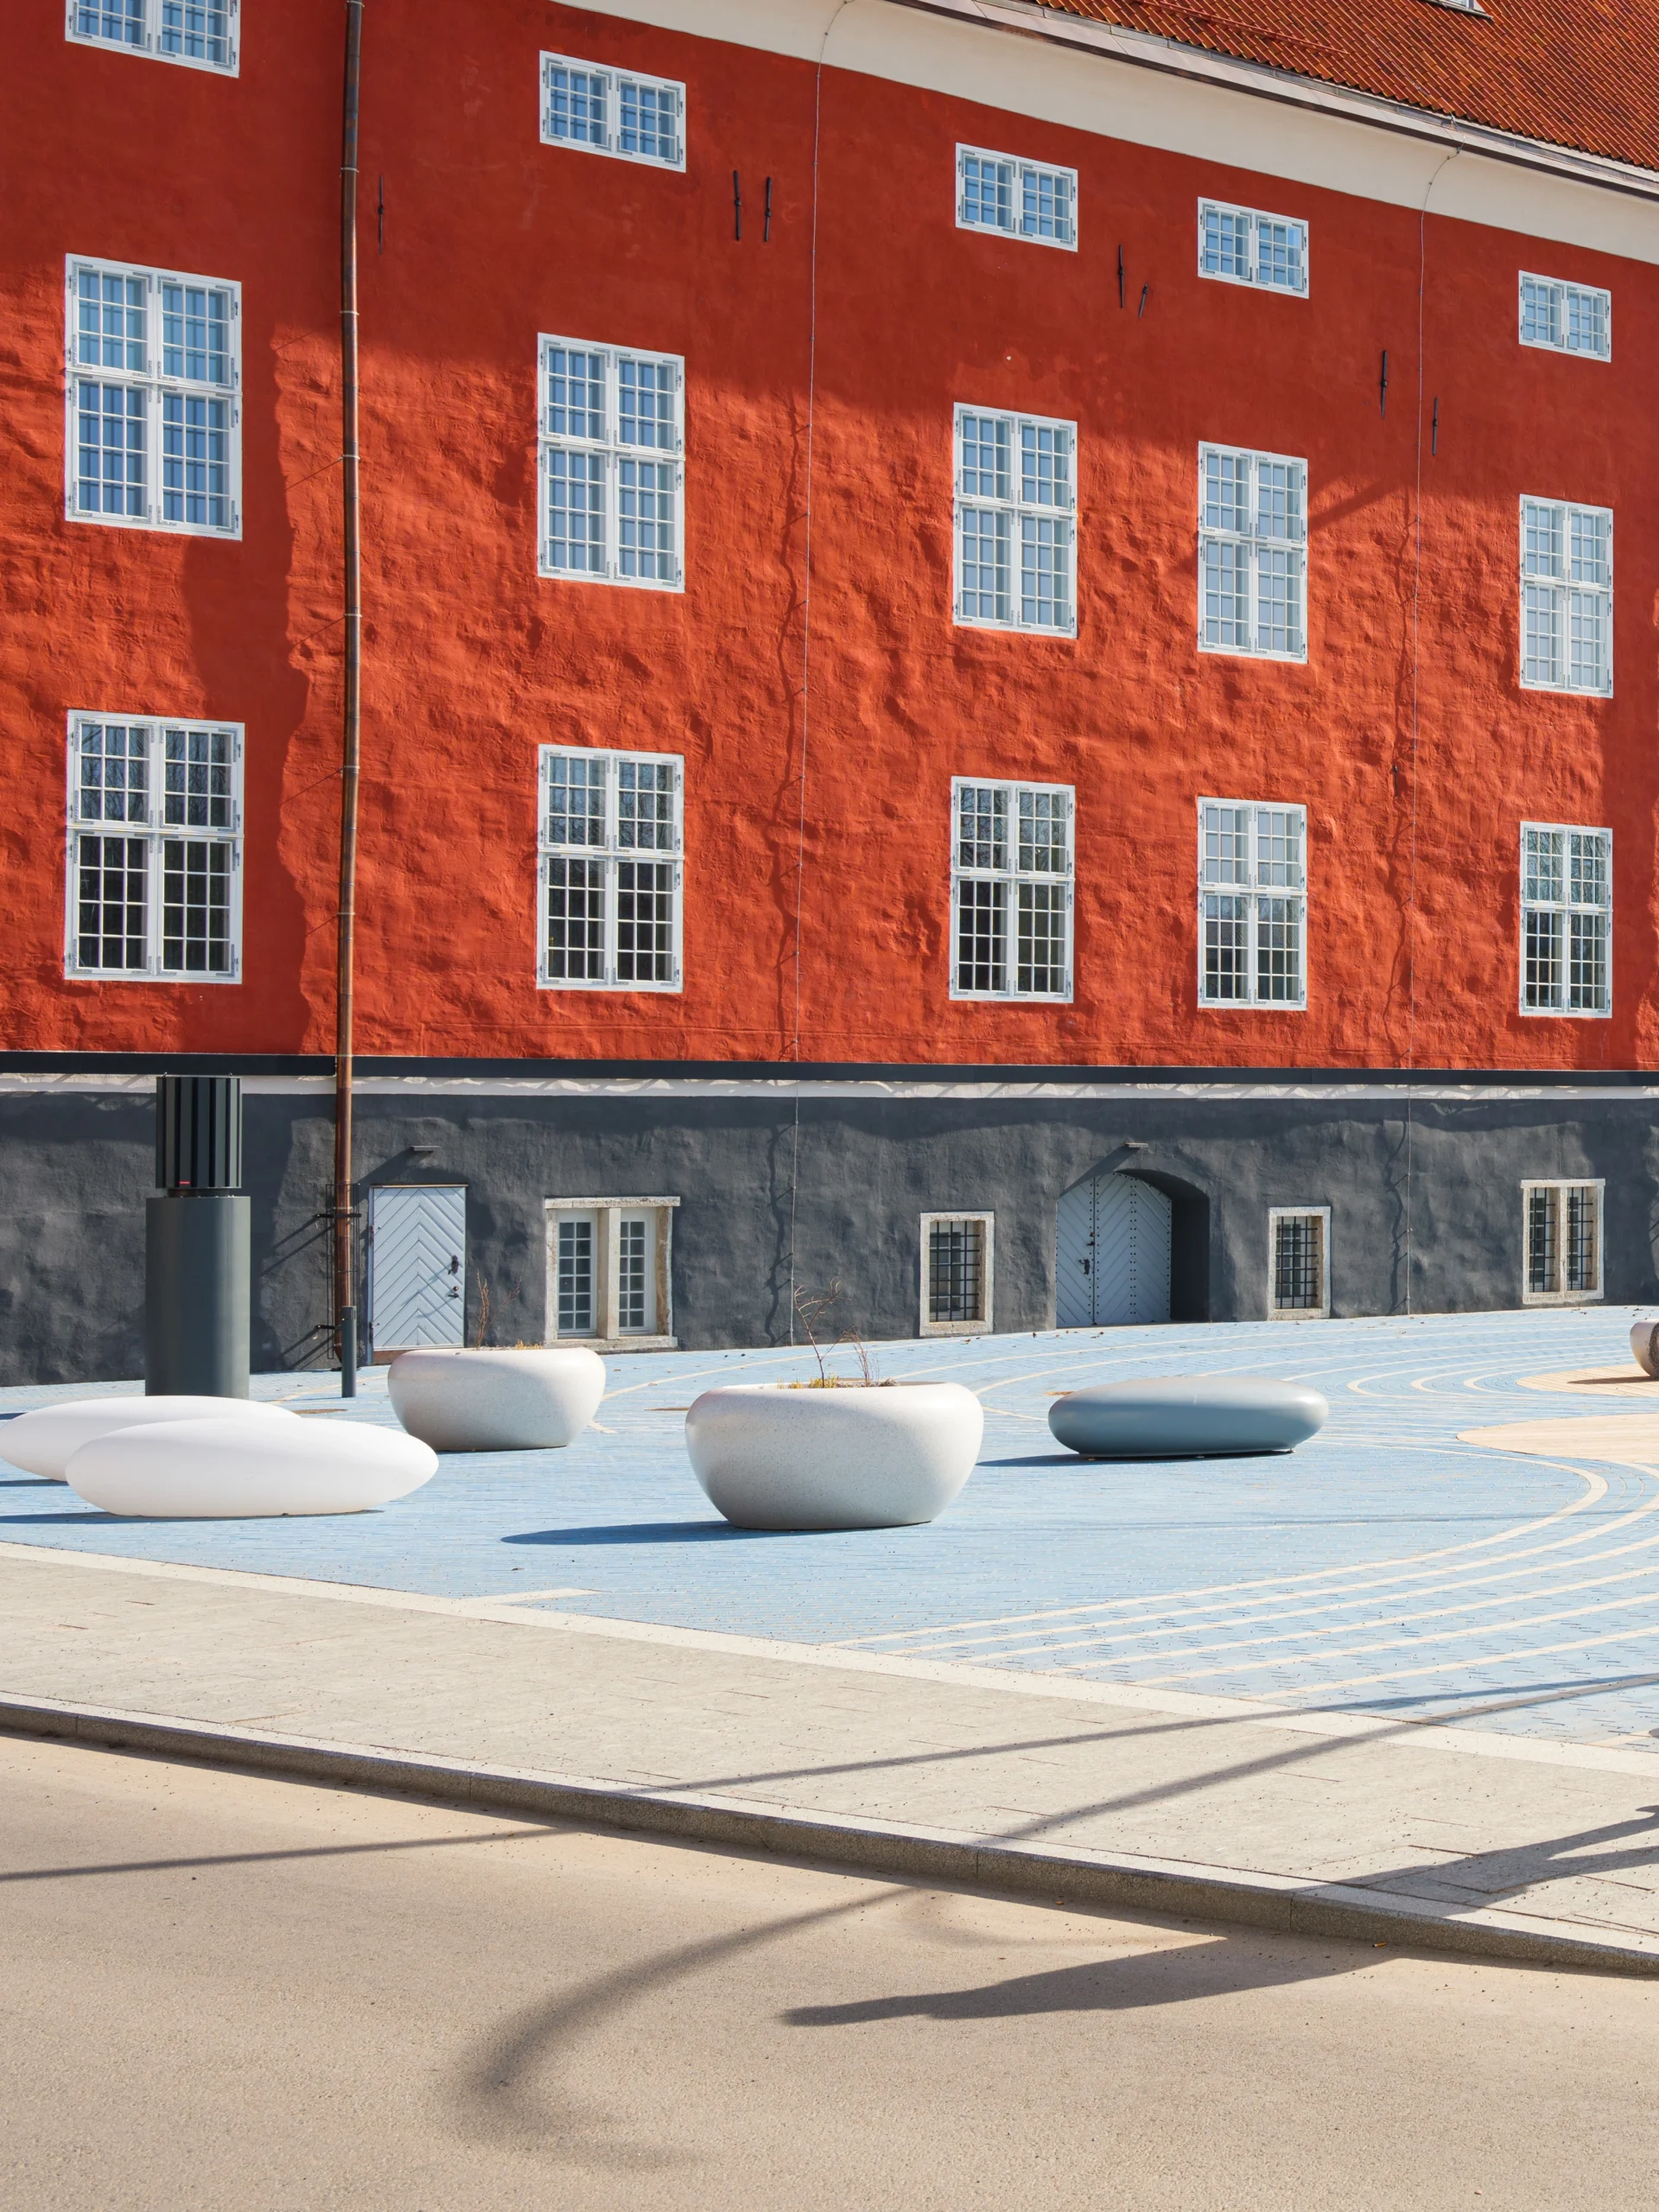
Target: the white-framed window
(201, 34)
(1016, 534)
(615, 111)
(1299, 1263)
(1022, 200)
(1566, 597)
(154, 881)
(610, 1273)
(1566, 318)
(153, 437)
(611, 447)
(1562, 1223)
(1240, 246)
(613, 840)
(1011, 879)
(1252, 553)
(1252, 903)
(1567, 919)
(958, 1282)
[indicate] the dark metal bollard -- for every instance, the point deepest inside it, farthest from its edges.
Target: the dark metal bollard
(198, 1262)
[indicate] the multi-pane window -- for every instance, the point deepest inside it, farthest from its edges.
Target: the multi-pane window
(1298, 1252)
(153, 371)
(1240, 246)
(1567, 919)
(1566, 318)
(201, 34)
(1011, 890)
(956, 1283)
(155, 849)
(608, 1275)
(1023, 200)
(613, 111)
(612, 843)
(1252, 903)
(1016, 521)
(1566, 597)
(611, 447)
(1563, 1224)
(1252, 553)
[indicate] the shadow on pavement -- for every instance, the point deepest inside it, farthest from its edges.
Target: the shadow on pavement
(641, 1532)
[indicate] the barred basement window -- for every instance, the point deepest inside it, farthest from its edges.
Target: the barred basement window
(1299, 1241)
(1023, 200)
(153, 438)
(613, 111)
(1011, 872)
(1563, 1232)
(956, 1274)
(612, 846)
(1566, 597)
(1015, 522)
(1252, 553)
(1252, 903)
(612, 438)
(154, 869)
(609, 1275)
(1566, 318)
(201, 34)
(1240, 246)
(1567, 919)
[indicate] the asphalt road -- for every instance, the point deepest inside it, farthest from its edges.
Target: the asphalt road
(225, 1992)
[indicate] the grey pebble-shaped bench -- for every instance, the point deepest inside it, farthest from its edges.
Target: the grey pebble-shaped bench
(1187, 1417)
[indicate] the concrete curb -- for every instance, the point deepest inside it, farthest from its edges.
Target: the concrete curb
(1182, 1888)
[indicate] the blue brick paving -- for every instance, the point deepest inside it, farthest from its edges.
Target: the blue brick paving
(1383, 1568)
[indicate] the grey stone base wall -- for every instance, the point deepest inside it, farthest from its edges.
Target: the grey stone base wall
(1425, 1203)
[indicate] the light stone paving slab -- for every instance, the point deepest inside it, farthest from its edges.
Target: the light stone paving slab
(1527, 1834)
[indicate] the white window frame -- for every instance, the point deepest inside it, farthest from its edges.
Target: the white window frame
(1252, 219)
(1013, 880)
(982, 1326)
(1562, 301)
(152, 30)
(612, 455)
(1568, 911)
(1251, 887)
(1248, 546)
(155, 388)
(608, 1333)
(1561, 1186)
(1017, 510)
(610, 142)
(611, 852)
(1019, 176)
(1275, 1311)
(1548, 580)
(155, 832)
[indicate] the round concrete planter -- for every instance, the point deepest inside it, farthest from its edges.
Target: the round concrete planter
(496, 1400)
(1644, 1343)
(1187, 1417)
(214, 1470)
(43, 1442)
(886, 1456)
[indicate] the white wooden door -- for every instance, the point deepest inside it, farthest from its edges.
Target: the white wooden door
(417, 1266)
(1111, 1254)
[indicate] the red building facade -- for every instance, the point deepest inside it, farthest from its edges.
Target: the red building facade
(1446, 434)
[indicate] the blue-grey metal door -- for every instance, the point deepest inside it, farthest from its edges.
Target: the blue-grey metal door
(416, 1265)
(1111, 1254)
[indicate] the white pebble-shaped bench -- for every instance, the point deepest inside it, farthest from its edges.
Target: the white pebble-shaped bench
(1644, 1343)
(886, 1456)
(486, 1401)
(217, 1470)
(43, 1442)
(1187, 1417)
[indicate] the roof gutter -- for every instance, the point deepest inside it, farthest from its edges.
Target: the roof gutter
(1142, 50)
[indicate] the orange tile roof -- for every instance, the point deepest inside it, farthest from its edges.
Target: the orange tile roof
(1583, 73)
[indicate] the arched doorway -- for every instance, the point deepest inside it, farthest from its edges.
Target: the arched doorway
(1112, 1252)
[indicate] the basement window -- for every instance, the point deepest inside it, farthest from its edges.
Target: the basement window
(1299, 1250)
(609, 1276)
(1563, 1224)
(957, 1281)
(1566, 318)
(613, 111)
(201, 34)
(1022, 200)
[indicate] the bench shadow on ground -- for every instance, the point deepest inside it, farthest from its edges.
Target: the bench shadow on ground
(645, 1532)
